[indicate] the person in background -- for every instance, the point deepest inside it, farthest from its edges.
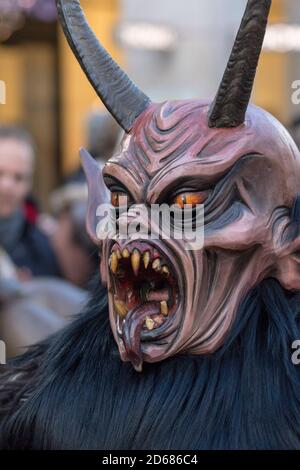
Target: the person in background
(78, 258)
(103, 135)
(28, 247)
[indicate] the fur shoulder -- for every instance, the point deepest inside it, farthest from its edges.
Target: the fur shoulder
(17, 379)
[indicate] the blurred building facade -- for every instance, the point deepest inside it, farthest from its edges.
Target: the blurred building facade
(171, 48)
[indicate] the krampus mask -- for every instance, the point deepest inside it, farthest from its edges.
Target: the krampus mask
(233, 158)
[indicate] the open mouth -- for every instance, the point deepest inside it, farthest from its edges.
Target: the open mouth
(145, 295)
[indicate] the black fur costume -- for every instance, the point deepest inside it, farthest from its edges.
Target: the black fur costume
(73, 392)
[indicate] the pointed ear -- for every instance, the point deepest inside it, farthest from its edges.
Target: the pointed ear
(97, 192)
(288, 264)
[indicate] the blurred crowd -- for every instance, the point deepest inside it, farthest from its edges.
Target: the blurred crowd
(46, 259)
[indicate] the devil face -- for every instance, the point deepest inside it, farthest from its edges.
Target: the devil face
(165, 299)
(234, 159)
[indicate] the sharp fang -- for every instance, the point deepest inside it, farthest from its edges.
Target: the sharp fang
(164, 308)
(165, 271)
(114, 263)
(146, 259)
(135, 261)
(121, 308)
(125, 253)
(156, 265)
(119, 254)
(149, 323)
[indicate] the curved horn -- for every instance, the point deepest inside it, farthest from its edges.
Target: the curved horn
(121, 97)
(230, 105)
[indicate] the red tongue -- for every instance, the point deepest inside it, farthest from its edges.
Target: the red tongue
(132, 328)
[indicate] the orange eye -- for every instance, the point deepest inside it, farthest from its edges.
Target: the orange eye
(190, 198)
(119, 199)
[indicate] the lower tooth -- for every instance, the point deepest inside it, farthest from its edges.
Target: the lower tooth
(149, 323)
(164, 308)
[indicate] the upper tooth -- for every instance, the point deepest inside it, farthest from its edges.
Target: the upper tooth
(156, 265)
(135, 261)
(119, 254)
(149, 323)
(146, 259)
(164, 308)
(114, 262)
(125, 253)
(121, 308)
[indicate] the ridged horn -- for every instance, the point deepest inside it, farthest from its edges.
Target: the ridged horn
(231, 102)
(117, 92)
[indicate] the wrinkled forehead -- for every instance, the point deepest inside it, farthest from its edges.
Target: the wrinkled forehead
(175, 134)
